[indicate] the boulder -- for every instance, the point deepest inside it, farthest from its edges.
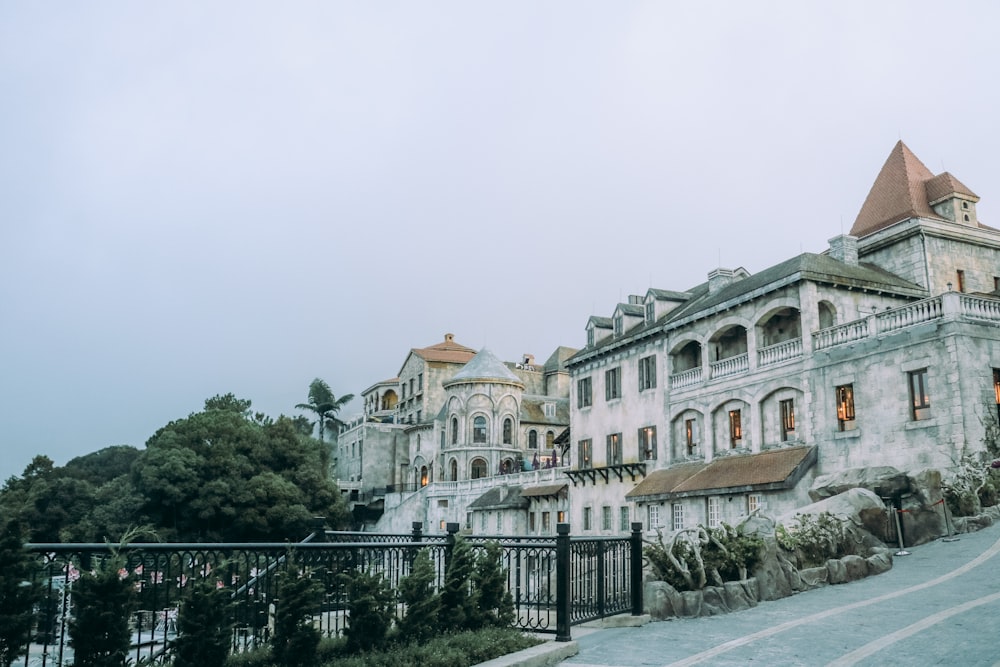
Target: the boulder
(856, 567)
(815, 577)
(714, 601)
(837, 570)
(737, 596)
(879, 563)
(883, 481)
(690, 604)
(860, 506)
(658, 599)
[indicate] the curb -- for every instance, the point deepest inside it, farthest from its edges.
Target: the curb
(542, 655)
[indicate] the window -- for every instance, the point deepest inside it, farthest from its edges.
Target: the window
(586, 451)
(647, 373)
(647, 443)
(614, 449)
(590, 337)
(920, 401)
(550, 410)
(787, 418)
(588, 519)
(653, 515)
(411, 386)
(583, 393)
(477, 469)
(454, 430)
(532, 439)
(960, 279)
(531, 522)
(690, 435)
(546, 522)
(420, 382)
(561, 516)
(613, 383)
(714, 512)
(508, 427)
(650, 311)
(755, 502)
(454, 470)
(418, 415)
(996, 388)
(677, 510)
(424, 476)
(735, 428)
(619, 325)
(482, 522)
(550, 439)
(623, 519)
(606, 522)
(499, 522)
(403, 396)
(479, 429)
(845, 407)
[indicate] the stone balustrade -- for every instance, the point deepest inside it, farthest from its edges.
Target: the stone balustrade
(783, 351)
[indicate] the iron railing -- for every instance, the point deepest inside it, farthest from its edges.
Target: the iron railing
(554, 582)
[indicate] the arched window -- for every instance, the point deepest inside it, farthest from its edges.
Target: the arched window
(454, 470)
(424, 477)
(454, 430)
(479, 429)
(549, 439)
(532, 439)
(508, 428)
(477, 469)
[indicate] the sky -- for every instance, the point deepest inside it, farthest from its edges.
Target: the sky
(201, 198)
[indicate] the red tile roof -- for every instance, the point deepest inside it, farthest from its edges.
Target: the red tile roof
(447, 351)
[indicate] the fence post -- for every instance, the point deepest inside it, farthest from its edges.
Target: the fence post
(636, 569)
(563, 574)
(449, 543)
(418, 534)
(319, 528)
(601, 572)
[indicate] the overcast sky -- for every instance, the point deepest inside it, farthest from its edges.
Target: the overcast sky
(200, 198)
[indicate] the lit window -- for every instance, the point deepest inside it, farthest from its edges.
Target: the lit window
(920, 401)
(613, 383)
(787, 419)
(996, 388)
(735, 428)
(561, 516)
(960, 277)
(583, 393)
(550, 439)
(614, 442)
(647, 373)
(845, 407)
(755, 502)
(690, 435)
(647, 443)
(586, 453)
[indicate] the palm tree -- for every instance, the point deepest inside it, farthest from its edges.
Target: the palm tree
(324, 405)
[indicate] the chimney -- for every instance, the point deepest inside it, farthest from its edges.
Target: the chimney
(844, 248)
(719, 278)
(449, 338)
(529, 359)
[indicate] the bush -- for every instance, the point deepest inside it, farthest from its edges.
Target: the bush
(492, 602)
(457, 605)
(17, 593)
(814, 538)
(104, 600)
(295, 639)
(204, 627)
(695, 555)
(369, 612)
(423, 604)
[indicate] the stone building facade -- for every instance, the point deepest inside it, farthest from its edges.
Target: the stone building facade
(706, 404)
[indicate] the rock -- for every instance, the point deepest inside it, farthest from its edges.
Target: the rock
(853, 504)
(714, 601)
(837, 570)
(752, 589)
(815, 577)
(737, 598)
(857, 567)
(879, 563)
(770, 575)
(883, 481)
(658, 599)
(690, 604)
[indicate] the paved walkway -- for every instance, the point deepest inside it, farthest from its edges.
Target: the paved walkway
(940, 605)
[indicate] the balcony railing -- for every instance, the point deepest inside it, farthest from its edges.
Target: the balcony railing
(730, 366)
(783, 351)
(910, 314)
(978, 308)
(840, 334)
(686, 378)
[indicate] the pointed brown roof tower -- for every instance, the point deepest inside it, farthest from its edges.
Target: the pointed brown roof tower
(904, 189)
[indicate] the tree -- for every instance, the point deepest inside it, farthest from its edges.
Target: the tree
(295, 637)
(457, 603)
(423, 604)
(17, 593)
(99, 630)
(204, 627)
(494, 606)
(324, 405)
(369, 611)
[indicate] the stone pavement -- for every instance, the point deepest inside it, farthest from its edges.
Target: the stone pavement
(940, 605)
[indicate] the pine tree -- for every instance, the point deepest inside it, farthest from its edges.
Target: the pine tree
(494, 605)
(103, 601)
(204, 627)
(457, 604)
(295, 638)
(369, 612)
(423, 604)
(17, 593)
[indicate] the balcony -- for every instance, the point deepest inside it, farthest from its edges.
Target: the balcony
(730, 366)
(784, 351)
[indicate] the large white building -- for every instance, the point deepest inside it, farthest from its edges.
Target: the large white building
(703, 404)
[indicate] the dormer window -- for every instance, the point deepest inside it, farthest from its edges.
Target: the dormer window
(590, 337)
(619, 325)
(965, 206)
(550, 410)
(650, 311)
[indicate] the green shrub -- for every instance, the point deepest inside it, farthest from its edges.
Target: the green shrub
(295, 639)
(423, 604)
(492, 602)
(699, 555)
(204, 626)
(457, 605)
(369, 612)
(99, 629)
(17, 593)
(814, 538)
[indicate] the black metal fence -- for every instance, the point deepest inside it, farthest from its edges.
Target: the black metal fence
(555, 582)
